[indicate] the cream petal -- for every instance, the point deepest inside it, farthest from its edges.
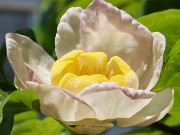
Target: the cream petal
(120, 34)
(108, 29)
(108, 86)
(159, 106)
(89, 126)
(28, 60)
(111, 102)
(18, 83)
(60, 104)
(68, 33)
(151, 75)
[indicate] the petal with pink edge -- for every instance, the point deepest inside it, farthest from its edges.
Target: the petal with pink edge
(150, 76)
(159, 106)
(108, 29)
(60, 104)
(28, 60)
(111, 102)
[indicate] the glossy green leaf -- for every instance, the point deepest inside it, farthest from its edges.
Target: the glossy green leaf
(20, 101)
(47, 126)
(167, 22)
(176, 108)
(170, 75)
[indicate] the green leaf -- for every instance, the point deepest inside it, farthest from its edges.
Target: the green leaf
(170, 120)
(20, 117)
(7, 123)
(3, 100)
(47, 126)
(6, 86)
(132, 7)
(175, 111)
(150, 6)
(170, 75)
(167, 22)
(20, 101)
(6, 118)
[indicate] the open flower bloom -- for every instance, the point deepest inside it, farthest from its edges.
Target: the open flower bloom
(107, 64)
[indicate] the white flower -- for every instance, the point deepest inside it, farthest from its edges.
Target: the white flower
(99, 28)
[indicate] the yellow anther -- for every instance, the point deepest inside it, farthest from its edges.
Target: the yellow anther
(78, 69)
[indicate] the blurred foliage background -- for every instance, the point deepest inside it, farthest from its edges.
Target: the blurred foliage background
(44, 27)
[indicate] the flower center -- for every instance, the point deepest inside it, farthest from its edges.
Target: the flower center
(77, 70)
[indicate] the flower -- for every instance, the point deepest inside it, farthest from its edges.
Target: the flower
(107, 64)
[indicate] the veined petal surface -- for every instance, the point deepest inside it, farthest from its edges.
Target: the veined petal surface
(60, 104)
(110, 101)
(68, 31)
(159, 106)
(28, 60)
(151, 75)
(106, 28)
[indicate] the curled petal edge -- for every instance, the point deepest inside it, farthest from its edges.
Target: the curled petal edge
(28, 60)
(152, 112)
(54, 102)
(116, 102)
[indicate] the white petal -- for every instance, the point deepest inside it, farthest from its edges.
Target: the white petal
(108, 86)
(68, 33)
(108, 29)
(28, 60)
(89, 126)
(159, 106)
(18, 83)
(150, 76)
(110, 101)
(60, 104)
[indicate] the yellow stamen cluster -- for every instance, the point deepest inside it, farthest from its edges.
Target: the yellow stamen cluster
(78, 69)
